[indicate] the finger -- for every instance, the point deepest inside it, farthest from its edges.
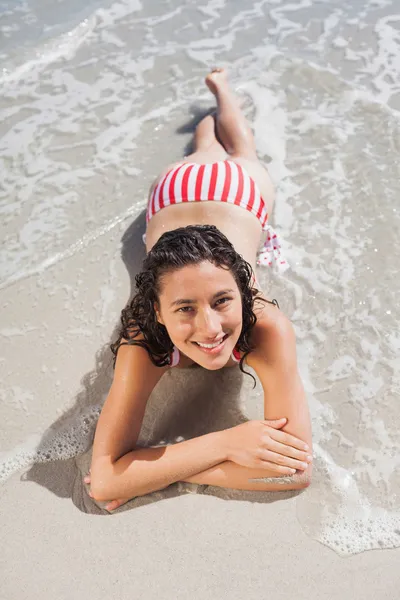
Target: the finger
(275, 423)
(279, 469)
(285, 461)
(288, 451)
(114, 504)
(288, 440)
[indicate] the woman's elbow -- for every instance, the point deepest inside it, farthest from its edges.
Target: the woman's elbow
(101, 483)
(99, 491)
(303, 480)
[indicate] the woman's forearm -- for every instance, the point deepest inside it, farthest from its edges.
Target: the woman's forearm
(230, 475)
(146, 470)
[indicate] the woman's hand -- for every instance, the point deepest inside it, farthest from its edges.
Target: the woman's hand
(261, 444)
(112, 504)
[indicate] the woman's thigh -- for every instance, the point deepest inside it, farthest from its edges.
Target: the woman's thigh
(261, 176)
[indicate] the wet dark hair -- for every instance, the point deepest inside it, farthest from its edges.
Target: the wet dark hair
(176, 249)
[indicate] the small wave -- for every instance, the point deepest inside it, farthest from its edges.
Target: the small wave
(67, 442)
(71, 250)
(64, 46)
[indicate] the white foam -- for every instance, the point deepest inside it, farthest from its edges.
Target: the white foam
(73, 249)
(71, 439)
(63, 47)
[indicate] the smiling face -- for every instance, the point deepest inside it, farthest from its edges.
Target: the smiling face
(201, 308)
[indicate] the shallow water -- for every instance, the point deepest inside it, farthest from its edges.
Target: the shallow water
(96, 101)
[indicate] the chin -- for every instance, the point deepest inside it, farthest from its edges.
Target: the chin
(213, 363)
(214, 367)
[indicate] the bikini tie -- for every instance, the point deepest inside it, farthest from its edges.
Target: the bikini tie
(271, 254)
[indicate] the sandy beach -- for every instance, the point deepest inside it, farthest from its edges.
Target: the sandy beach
(172, 546)
(96, 100)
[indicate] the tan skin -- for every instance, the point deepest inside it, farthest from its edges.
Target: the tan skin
(271, 449)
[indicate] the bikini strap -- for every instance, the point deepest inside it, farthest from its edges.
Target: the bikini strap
(175, 357)
(235, 355)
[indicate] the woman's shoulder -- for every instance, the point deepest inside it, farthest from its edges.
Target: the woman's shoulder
(177, 359)
(134, 372)
(272, 325)
(134, 355)
(271, 329)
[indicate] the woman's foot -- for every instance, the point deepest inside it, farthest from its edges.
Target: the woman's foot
(216, 80)
(232, 127)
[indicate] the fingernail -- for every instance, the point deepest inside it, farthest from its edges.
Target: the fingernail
(304, 465)
(293, 470)
(306, 447)
(309, 458)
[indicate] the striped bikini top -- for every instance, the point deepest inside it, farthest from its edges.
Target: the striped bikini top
(176, 356)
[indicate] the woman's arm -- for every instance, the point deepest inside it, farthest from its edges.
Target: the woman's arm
(117, 471)
(275, 363)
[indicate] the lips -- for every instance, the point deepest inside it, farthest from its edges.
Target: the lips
(214, 348)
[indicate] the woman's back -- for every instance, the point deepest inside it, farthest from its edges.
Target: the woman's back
(238, 225)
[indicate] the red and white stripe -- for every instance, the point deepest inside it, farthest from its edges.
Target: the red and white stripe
(223, 181)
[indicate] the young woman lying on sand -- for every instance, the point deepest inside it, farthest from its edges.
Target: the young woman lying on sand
(197, 303)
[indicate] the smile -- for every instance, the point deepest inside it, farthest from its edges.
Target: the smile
(212, 348)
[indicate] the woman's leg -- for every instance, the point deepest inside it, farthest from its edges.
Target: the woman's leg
(207, 148)
(232, 126)
(206, 144)
(236, 134)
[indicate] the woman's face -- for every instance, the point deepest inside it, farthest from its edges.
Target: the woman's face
(201, 307)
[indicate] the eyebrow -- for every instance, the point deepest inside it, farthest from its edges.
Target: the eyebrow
(181, 301)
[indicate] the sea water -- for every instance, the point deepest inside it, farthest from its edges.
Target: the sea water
(95, 97)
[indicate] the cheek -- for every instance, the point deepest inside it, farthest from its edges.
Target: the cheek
(239, 322)
(178, 330)
(233, 319)
(237, 315)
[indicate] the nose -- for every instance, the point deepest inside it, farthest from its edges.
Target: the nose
(208, 325)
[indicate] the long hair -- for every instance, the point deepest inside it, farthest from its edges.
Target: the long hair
(175, 249)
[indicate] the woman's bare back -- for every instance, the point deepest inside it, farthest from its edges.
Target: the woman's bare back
(241, 228)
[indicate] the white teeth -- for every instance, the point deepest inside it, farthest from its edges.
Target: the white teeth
(210, 345)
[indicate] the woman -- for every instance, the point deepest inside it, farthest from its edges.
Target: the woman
(196, 304)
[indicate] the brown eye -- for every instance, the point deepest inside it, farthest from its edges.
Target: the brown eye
(222, 301)
(184, 309)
